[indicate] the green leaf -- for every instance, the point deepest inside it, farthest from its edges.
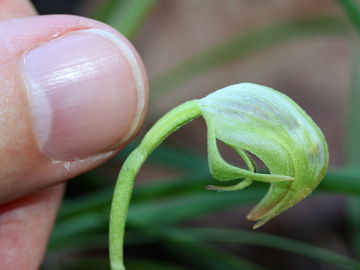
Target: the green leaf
(208, 257)
(243, 45)
(130, 15)
(184, 207)
(81, 219)
(93, 202)
(79, 263)
(262, 239)
(79, 226)
(342, 181)
(353, 135)
(127, 16)
(172, 156)
(141, 264)
(352, 11)
(105, 8)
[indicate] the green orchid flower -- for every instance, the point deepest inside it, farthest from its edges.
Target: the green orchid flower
(249, 118)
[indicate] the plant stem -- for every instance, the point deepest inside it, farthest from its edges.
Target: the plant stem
(170, 122)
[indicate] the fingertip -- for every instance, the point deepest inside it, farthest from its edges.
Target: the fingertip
(87, 93)
(16, 8)
(73, 92)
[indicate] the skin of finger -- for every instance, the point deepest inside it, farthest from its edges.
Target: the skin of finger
(28, 221)
(25, 226)
(15, 8)
(24, 168)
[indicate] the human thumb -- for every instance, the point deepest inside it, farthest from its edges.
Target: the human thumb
(72, 92)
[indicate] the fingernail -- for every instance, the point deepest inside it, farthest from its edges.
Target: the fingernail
(86, 93)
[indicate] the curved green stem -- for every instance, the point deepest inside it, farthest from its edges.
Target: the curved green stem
(170, 122)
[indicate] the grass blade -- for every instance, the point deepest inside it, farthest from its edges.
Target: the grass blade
(243, 45)
(266, 240)
(127, 16)
(343, 181)
(141, 264)
(130, 15)
(78, 228)
(170, 202)
(187, 206)
(208, 257)
(105, 8)
(168, 155)
(353, 143)
(352, 10)
(77, 263)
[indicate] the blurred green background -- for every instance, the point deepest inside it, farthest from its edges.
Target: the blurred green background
(308, 49)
